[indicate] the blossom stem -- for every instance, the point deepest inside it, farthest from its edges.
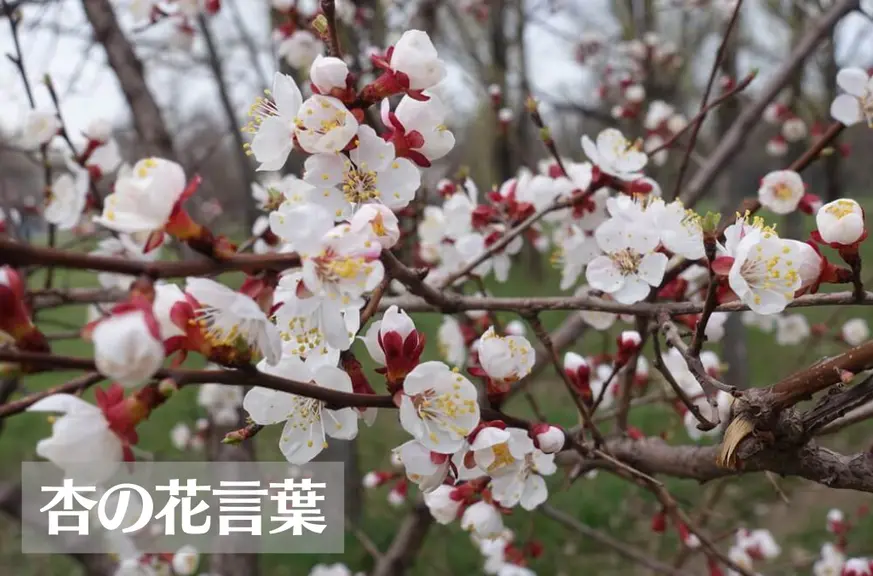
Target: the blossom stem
(328, 7)
(708, 304)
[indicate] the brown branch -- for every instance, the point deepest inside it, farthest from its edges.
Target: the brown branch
(407, 542)
(744, 125)
(552, 354)
(16, 254)
(448, 303)
(658, 364)
(742, 85)
(709, 384)
(328, 8)
(601, 538)
(803, 384)
(74, 386)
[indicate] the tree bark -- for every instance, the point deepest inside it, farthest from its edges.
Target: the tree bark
(128, 68)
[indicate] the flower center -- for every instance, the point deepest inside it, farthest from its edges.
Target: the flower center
(378, 225)
(360, 186)
(502, 457)
(841, 208)
(782, 191)
(305, 413)
(261, 108)
(627, 261)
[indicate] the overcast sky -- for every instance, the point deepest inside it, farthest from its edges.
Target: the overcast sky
(55, 39)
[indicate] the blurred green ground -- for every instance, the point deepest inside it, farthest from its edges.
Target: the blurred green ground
(604, 502)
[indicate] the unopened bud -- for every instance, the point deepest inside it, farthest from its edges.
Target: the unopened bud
(549, 439)
(710, 222)
(320, 25)
(531, 104)
(167, 387)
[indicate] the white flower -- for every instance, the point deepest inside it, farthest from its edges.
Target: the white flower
(415, 56)
(222, 402)
(371, 173)
(855, 332)
(794, 129)
(483, 520)
(185, 561)
(180, 436)
(792, 329)
(98, 130)
(40, 126)
(759, 543)
(67, 197)
(830, 563)
(324, 125)
(338, 265)
(840, 222)
(166, 296)
(328, 73)
(275, 121)
(300, 49)
(496, 449)
(764, 273)
(515, 328)
(781, 191)
(143, 199)
(378, 221)
(307, 421)
(438, 407)
(231, 317)
(658, 113)
(81, 444)
(310, 325)
(857, 567)
(505, 358)
(614, 155)
(104, 159)
(574, 253)
(442, 506)
(679, 228)
(431, 228)
(423, 124)
(421, 467)
(715, 327)
(856, 105)
(128, 347)
(330, 570)
(741, 558)
(450, 341)
(630, 266)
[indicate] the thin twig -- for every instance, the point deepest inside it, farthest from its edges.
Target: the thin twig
(719, 56)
